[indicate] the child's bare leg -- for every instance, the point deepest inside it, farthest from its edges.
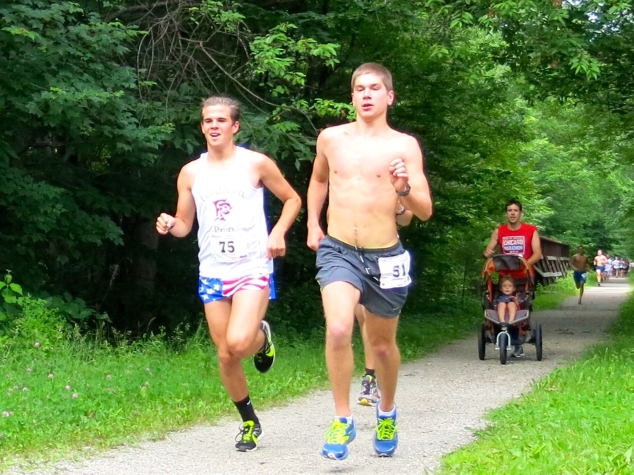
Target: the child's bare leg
(502, 312)
(512, 311)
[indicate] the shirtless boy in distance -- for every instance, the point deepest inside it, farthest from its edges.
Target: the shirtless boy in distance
(599, 265)
(580, 266)
(364, 167)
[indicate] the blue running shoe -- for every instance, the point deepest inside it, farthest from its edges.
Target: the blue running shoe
(385, 436)
(337, 438)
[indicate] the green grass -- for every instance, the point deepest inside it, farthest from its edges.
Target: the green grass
(552, 296)
(577, 420)
(62, 393)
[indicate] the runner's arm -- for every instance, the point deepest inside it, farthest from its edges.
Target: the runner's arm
(493, 242)
(181, 224)
(411, 174)
(317, 193)
(403, 215)
(537, 249)
(272, 178)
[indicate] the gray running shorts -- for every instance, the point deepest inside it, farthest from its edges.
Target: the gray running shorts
(370, 271)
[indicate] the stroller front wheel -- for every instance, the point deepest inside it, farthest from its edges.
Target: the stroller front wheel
(482, 341)
(504, 343)
(538, 342)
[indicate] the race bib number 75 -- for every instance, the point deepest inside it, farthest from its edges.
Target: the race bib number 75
(394, 271)
(228, 247)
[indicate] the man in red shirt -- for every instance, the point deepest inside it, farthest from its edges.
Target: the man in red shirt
(518, 238)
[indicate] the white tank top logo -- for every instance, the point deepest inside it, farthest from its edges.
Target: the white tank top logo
(223, 208)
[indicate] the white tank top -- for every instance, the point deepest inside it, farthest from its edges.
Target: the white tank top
(232, 233)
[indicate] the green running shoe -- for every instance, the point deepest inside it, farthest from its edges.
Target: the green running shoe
(247, 438)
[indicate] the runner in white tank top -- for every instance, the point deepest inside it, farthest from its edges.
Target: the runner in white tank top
(223, 189)
(232, 233)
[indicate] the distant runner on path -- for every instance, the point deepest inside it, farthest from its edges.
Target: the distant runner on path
(580, 265)
(599, 265)
(364, 167)
(224, 190)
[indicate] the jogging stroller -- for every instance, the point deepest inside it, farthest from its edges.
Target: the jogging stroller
(506, 335)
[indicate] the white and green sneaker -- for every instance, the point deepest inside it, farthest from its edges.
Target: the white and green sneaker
(265, 358)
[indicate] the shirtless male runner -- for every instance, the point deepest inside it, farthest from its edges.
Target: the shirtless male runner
(580, 266)
(223, 189)
(364, 167)
(599, 265)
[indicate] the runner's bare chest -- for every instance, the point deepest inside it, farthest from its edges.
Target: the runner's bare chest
(352, 157)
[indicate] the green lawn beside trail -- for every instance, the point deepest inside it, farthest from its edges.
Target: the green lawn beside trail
(64, 393)
(577, 420)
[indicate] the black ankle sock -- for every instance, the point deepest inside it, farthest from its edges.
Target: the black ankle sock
(245, 408)
(370, 372)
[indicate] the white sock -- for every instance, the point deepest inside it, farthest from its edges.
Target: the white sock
(390, 413)
(347, 418)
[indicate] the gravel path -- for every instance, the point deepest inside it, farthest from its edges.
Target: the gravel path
(441, 400)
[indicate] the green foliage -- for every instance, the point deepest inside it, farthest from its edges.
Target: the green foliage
(280, 62)
(10, 293)
(71, 118)
(102, 98)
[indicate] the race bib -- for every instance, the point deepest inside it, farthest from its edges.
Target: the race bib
(228, 247)
(394, 271)
(513, 245)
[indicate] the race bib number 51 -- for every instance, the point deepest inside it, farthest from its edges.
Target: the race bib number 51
(395, 271)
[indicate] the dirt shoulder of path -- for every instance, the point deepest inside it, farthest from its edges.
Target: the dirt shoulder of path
(441, 399)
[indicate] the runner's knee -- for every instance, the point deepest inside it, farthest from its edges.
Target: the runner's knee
(240, 345)
(339, 333)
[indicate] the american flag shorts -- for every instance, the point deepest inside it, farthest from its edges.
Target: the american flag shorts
(210, 289)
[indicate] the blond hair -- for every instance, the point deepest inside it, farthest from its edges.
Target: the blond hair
(374, 68)
(234, 105)
(506, 278)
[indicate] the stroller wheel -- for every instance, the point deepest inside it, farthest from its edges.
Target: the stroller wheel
(482, 341)
(504, 343)
(538, 341)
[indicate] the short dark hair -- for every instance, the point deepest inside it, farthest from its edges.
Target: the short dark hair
(512, 202)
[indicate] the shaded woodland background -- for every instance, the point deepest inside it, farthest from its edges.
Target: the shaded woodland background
(100, 109)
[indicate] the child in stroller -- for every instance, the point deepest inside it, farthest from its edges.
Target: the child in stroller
(507, 302)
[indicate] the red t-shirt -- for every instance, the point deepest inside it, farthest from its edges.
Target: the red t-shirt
(518, 241)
